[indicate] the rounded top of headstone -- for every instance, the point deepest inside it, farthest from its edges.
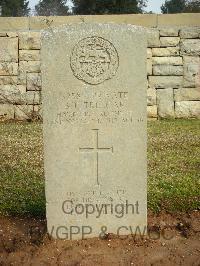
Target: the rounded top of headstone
(92, 26)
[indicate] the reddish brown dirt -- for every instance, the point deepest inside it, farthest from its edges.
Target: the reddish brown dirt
(25, 242)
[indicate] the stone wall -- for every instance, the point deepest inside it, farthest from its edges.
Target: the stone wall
(173, 65)
(173, 69)
(20, 78)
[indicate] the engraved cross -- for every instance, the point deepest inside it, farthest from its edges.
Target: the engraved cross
(96, 150)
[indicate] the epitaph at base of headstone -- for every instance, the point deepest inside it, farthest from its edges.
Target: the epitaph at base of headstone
(94, 111)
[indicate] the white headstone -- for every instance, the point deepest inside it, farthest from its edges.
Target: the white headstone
(94, 110)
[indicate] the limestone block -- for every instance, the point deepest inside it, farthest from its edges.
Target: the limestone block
(32, 97)
(169, 31)
(8, 49)
(190, 33)
(14, 23)
(169, 41)
(165, 101)
(5, 80)
(168, 51)
(191, 71)
(187, 109)
(151, 97)
(22, 77)
(165, 82)
(25, 112)
(190, 47)
(149, 53)
(152, 111)
(187, 94)
(175, 61)
(3, 34)
(34, 82)
(29, 40)
(41, 23)
(181, 19)
(16, 94)
(191, 60)
(149, 20)
(153, 38)
(8, 68)
(149, 67)
(12, 34)
(6, 112)
(29, 66)
(167, 70)
(12, 94)
(29, 55)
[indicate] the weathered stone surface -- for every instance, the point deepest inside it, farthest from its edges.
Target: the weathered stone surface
(12, 34)
(32, 97)
(14, 23)
(165, 101)
(6, 112)
(187, 109)
(29, 55)
(151, 97)
(176, 61)
(167, 70)
(152, 111)
(30, 66)
(191, 71)
(187, 94)
(190, 33)
(22, 77)
(38, 23)
(111, 122)
(169, 41)
(149, 67)
(165, 82)
(12, 94)
(169, 31)
(5, 80)
(149, 53)
(16, 94)
(190, 47)
(29, 40)
(8, 49)
(3, 34)
(34, 82)
(26, 112)
(168, 51)
(26, 67)
(194, 60)
(8, 69)
(153, 38)
(181, 19)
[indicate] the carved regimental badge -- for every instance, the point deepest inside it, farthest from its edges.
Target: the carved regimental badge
(94, 60)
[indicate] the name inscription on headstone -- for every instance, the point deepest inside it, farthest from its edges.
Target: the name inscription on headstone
(103, 108)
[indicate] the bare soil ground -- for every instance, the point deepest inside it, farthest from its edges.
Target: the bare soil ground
(172, 240)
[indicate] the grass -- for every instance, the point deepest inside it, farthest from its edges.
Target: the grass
(173, 167)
